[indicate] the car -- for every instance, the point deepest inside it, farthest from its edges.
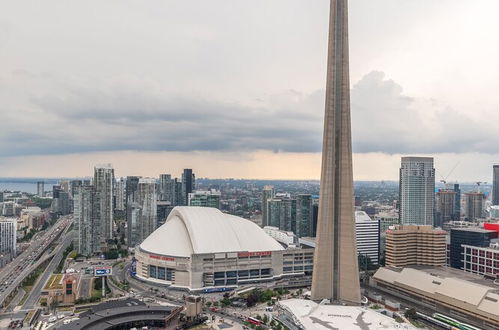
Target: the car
(52, 319)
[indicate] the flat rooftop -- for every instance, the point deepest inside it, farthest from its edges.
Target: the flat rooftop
(474, 229)
(448, 272)
(313, 316)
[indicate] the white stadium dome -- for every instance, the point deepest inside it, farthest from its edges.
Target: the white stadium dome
(198, 230)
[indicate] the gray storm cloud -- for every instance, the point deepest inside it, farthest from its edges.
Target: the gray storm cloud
(78, 119)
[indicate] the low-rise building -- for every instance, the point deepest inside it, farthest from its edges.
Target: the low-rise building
(209, 198)
(387, 219)
(472, 236)
(61, 289)
(463, 296)
(481, 260)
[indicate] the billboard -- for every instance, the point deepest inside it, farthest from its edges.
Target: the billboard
(103, 270)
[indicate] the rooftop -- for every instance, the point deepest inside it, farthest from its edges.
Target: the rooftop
(312, 316)
(474, 229)
(196, 230)
(445, 282)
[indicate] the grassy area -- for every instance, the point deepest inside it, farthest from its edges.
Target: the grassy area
(121, 285)
(54, 282)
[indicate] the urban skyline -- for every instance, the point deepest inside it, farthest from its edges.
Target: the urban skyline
(458, 115)
(167, 92)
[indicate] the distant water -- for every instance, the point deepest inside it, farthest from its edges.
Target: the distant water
(25, 185)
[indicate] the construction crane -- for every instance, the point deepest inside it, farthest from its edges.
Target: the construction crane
(444, 179)
(478, 184)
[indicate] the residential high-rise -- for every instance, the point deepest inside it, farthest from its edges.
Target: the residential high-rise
(166, 188)
(415, 245)
(417, 191)
(8, 238)
(495, 185)
(73, 185)
(147, 198)
(103, 183)
(188, 184)
(445, 204)
(163, 211)
(267, 193)
(304, 215)
(367, 232)
(40, 188)
(179, 196)
(282, 213)
(474, 205)
(143, 212)
(210, 198)
(119, 195)
(60, 201)
(336, 271)
(8, 209)
(87, 221)
(132, 183)
(457, 207)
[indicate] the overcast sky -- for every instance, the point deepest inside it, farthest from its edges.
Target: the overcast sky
(236, 88)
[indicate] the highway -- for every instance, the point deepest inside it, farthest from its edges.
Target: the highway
(12, 275)
(37, 288)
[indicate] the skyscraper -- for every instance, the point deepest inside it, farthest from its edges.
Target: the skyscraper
(417, 191)
(166, 188)
(188, 185)
(142, 219)
(304, 215)
(119, 195)
(268, 193)
(40, 188)
(8, 237)
(103, 182)
(475, 205)
(147, 198)
(282, 213)
(495, 185)
(87, 218)
(336, 269)
(445, 203)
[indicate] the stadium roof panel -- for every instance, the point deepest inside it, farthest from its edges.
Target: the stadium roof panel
(197, 230)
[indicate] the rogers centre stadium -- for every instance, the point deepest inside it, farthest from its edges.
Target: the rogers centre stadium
(202, 249)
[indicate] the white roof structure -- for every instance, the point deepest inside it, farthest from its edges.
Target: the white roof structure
(361, 216)
(445, 288)
(197, 230)
(312, 316)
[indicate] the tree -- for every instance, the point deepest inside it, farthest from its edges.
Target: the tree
(365, 263)
(411, 314)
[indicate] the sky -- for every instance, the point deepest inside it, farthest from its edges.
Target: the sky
(235, 89)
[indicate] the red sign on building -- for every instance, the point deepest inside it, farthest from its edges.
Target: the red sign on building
(254, 254)
(152, 256)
